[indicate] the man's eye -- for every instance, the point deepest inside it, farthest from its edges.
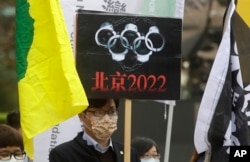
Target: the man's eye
(113, 112)
(18, 154)
(100, 112)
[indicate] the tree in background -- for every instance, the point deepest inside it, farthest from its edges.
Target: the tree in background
(8, 81)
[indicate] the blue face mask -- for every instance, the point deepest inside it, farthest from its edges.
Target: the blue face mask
(150, 160)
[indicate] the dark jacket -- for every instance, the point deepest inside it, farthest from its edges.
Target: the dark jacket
(77, 150)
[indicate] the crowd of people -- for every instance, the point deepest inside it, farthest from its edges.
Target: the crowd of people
(92, 144)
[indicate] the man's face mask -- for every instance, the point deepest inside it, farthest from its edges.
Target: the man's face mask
(103, 127)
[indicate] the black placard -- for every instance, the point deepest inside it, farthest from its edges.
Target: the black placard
(128, 56)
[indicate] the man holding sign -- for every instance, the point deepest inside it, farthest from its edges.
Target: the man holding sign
(94, 143)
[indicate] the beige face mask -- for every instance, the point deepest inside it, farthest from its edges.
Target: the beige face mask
(103, 127)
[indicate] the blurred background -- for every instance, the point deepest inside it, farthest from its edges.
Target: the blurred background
(8, 77)
(202, 29)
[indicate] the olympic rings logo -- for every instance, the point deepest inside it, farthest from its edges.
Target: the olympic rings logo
(119, 43)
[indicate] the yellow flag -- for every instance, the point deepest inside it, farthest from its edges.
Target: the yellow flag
(243, 8)
(50, 90)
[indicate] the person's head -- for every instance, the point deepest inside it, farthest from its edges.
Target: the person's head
(13, 120)
(100, 118)
(147, 149)
(11, 145)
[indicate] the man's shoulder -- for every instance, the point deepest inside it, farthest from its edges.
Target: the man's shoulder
(64, 145)
(71, 144)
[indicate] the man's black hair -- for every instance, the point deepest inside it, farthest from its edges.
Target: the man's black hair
(98, 103)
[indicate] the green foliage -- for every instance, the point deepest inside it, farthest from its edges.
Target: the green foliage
(2, 117)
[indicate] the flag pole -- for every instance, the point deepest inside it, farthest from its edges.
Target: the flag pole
(127, 130)
(169, 129)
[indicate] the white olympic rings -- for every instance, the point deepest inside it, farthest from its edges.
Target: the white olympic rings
(104, 27)
(142, 57)
(117, 56)
(154, 30)
(129, 32)
(129, 28)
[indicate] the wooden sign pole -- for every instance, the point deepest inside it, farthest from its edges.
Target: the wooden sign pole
(127, 130)
(169, 130)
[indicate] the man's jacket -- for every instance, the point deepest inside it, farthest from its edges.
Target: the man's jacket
(77, 150)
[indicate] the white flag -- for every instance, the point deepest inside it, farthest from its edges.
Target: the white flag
(222, 117)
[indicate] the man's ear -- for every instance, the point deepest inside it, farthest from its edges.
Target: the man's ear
(81, 115)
